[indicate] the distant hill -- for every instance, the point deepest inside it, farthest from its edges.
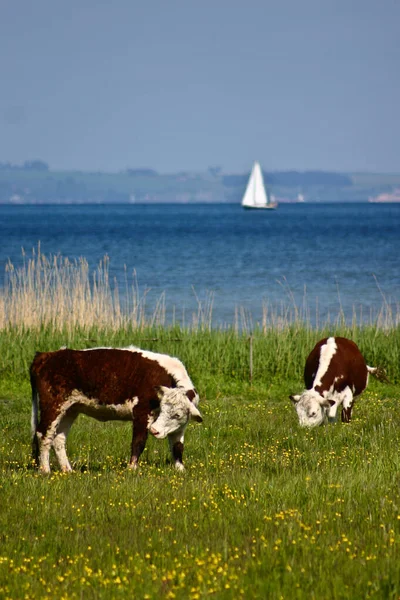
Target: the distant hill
(35, 183)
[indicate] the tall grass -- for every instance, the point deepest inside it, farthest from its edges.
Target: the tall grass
(63, 294)
(51, 302)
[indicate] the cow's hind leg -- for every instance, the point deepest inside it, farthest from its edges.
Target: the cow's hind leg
(60, 439)
(347, 407)
(45, 442)
(176, 446)
(35, 449)
(45, 434)
(34, 425)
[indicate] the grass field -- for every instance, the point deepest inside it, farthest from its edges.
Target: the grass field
(264, 508)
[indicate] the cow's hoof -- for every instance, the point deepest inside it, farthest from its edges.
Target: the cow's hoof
(43, 471)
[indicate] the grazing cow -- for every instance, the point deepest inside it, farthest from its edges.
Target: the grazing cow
(125, 384)
(334, 374)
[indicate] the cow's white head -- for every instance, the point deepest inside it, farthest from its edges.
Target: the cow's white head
(174, 413)
(312, 409)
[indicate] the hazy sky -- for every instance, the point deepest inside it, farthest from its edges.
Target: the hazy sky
(184, 85)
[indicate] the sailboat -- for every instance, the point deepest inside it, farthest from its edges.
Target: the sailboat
(256, 195)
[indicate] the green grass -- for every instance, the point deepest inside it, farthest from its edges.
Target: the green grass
(263, 510)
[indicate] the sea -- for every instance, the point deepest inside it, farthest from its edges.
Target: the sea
(317, 262)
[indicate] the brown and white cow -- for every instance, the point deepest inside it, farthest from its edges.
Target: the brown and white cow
(334, 374)
(125, 384)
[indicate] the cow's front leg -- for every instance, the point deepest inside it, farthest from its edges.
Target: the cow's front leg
(176, 446)
(139, 438)
(347, 405)
(332, 412)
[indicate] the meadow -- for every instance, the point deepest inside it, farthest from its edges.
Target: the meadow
(264, 509)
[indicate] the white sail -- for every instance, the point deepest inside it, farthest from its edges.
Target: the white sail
(255, 195)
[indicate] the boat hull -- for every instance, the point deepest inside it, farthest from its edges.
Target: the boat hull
(269, 207)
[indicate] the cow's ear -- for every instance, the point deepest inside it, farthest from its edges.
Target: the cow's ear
(160, 391)
(327, 403)
(295, 398)
(195, 413)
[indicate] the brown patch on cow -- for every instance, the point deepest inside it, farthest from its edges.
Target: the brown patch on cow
(347, 368)
(110, 376)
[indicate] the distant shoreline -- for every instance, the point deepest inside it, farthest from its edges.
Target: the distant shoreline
(35, 183)
(178, 203)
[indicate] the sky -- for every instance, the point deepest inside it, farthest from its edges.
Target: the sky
(183, 85)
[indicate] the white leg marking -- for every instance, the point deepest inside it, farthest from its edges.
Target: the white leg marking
(344, 398)
(44, 453)
(133, 464)
(332, 413)
(59, 443)
(59, 448)
(347, 397)
(172, 439)
(46, 442)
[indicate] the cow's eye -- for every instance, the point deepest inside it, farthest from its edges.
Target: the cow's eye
(313, 414)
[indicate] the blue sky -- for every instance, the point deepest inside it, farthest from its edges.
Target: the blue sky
(183, 85)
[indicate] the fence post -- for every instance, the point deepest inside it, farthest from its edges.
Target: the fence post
(251, 357)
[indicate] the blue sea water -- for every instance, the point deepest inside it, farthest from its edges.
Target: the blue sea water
(330, 257)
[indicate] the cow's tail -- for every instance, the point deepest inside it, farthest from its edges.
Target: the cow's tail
(379, 373)
(35, 422)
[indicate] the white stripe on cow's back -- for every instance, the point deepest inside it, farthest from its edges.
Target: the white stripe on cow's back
(171, 364)
(326, 353)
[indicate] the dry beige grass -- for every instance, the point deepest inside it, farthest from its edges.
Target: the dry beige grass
(64, 294)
